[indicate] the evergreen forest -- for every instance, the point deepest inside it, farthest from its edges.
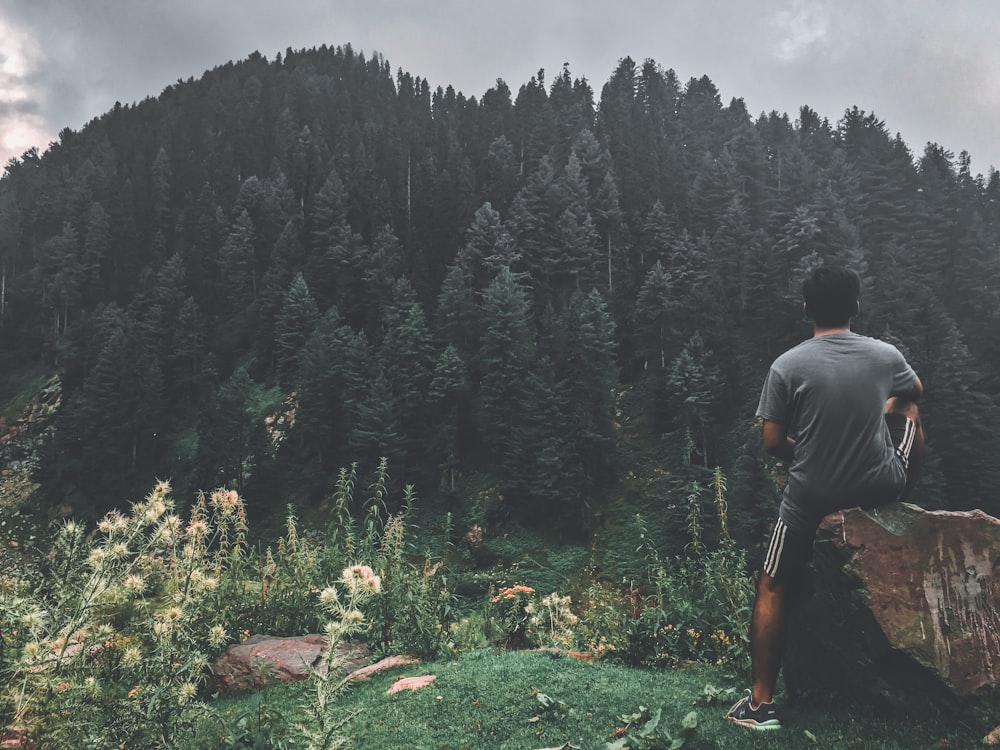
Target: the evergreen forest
(289, 266)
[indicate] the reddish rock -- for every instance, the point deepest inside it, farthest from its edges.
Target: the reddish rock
(389, 662)
(410, 683)
(264, 660)
(16, 737)
(906, 608)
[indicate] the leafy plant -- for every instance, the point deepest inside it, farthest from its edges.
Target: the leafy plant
(413, 614)
(644, 730)
(120, 632)
(701, 605)
(507, 611)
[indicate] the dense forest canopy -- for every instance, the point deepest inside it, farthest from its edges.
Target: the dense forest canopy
(287, 266)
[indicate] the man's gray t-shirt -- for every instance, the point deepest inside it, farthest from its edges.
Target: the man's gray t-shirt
(830, 393)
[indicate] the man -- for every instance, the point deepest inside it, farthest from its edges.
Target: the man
(839, 409)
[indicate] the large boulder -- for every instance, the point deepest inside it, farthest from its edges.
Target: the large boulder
(905, 609)
(264, 660)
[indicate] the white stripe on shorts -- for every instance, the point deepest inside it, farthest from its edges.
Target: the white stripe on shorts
(773, 558)
(903, 449)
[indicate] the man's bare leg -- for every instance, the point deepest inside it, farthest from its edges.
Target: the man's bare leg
(768, 632)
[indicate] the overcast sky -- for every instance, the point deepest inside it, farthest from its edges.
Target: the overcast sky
(929, 68)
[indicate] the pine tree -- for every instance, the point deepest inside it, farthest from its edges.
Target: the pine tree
(295, 322)
(449, 397)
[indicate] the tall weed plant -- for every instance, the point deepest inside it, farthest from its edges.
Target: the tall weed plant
(113, 646)
(700, 602)
(414, 612)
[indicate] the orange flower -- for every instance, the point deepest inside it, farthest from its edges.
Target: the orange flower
(134, 691)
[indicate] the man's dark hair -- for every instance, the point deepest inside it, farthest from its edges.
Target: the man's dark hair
(831, 296)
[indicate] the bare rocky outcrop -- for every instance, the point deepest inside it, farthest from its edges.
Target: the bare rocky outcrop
(906, 609)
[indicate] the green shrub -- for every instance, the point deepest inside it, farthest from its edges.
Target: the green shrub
(604, 620)
(113, 646)
(120, 634)
(701, 605)
(413, 614)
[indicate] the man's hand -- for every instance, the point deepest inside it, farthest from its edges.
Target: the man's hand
(777, 443)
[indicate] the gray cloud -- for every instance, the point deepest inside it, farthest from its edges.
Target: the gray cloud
(927, 68)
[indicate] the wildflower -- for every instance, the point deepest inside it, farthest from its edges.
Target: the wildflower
(361, 578)
(197, 528)
(134, 691)
(160, 491)
(334, 631)
(226, 501)
(33, 620)
(154, 510)
(72, 528)
(217, 636)
(329, 597)
(97, 556)
(208, 583)
(353, 618)
(512, 592)
(135, 583)
(108, 524)
(32, 650)
(119, 550)
(131, 657)
(91, 685)
(161, 628)
(168, 530)
(173, 614)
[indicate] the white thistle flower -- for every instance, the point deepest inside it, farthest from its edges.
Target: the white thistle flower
(132, 656)
(186, 692)
(32, 620)
(217, 636)
(353, 618)
(97, 557)
(329, 597)
(154, 510)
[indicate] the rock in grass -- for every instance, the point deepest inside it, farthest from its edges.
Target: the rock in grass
(410, 683)
(388, 662)
(265, 660)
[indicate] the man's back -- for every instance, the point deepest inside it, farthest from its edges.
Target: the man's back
(830, 393)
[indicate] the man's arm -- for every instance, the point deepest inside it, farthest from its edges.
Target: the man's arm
(914, 393)
(777, 443)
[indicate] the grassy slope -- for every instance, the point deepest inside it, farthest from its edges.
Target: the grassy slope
(486, 700)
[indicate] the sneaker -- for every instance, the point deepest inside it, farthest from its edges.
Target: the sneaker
(761, 718)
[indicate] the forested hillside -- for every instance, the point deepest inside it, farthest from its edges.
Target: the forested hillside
(287, 266)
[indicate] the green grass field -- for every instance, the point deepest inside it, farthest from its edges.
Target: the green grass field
(489, 700)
